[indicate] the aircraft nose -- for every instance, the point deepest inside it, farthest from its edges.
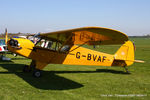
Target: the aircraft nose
(13, 43)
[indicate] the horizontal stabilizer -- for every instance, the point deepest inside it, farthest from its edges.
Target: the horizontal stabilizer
(139, 61)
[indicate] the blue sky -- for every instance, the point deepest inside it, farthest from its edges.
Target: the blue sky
(32, 16)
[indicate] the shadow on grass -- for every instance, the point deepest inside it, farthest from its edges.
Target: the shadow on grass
(97, 71)
(50, 81)
(112, 71)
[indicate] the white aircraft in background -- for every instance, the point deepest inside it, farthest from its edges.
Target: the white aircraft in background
(3, 47)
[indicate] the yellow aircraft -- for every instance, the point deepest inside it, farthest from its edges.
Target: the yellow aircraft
(64, 47)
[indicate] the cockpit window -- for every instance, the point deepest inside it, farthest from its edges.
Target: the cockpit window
(53, 45)
(65, 48)
(47, 44)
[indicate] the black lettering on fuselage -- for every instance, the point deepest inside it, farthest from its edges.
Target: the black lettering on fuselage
(94, 57)
(89, 57)
(103, 58)
(99, 59)
(78, 55)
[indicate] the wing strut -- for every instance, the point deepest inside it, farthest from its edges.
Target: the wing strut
(79, 46)
(65, 42)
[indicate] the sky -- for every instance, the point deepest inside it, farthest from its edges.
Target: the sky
(32, 16)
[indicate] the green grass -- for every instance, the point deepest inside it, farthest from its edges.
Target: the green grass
(63, 82)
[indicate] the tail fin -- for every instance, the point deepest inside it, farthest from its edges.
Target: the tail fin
(126, 53)
(6, 36)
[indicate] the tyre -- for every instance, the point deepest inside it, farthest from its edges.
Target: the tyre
(37, 73)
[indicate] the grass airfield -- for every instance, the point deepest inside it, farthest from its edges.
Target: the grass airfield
(70, 82)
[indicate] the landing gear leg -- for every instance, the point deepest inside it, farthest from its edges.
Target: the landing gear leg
(30, 68)
(126, 69)
(27, 68)
(36, 72)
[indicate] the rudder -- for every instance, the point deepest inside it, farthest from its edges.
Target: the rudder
(125, 53)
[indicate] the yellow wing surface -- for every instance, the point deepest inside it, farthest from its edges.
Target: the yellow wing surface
(87, 35)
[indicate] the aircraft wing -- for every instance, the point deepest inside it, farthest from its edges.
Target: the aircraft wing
(87, 35)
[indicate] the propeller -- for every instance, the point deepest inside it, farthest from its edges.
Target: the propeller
(38, 38)
(36, 35)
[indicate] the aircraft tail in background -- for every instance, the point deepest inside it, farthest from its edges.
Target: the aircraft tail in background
(6, 36)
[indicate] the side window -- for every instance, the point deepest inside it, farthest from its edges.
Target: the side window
(47, 44)
(53, 45)
(65, 48)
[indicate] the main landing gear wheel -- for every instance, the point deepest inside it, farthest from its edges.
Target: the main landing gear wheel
(37, 73)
